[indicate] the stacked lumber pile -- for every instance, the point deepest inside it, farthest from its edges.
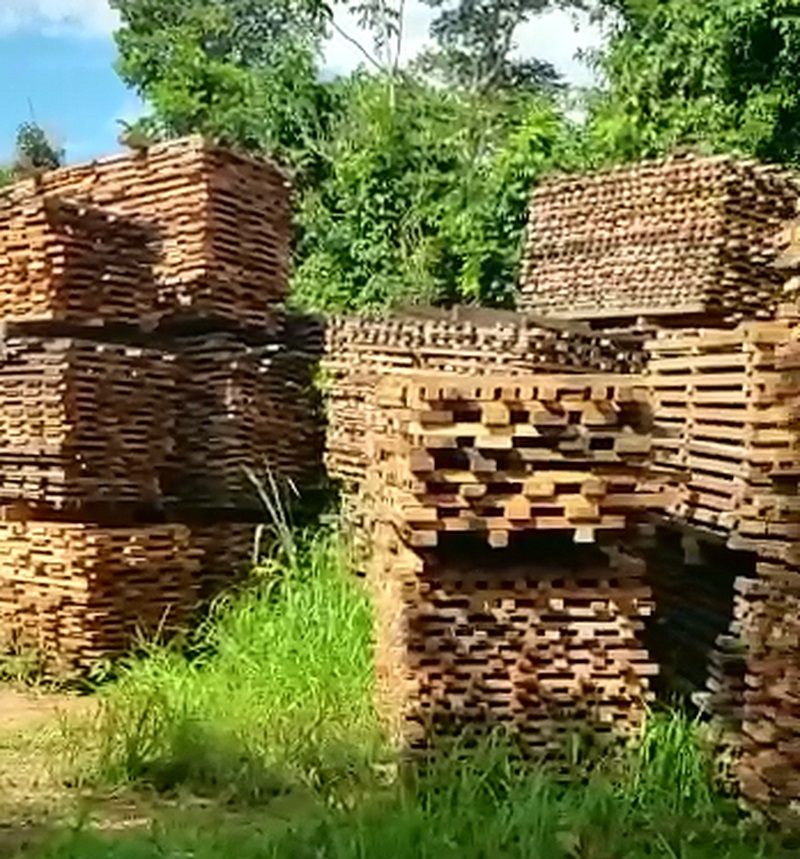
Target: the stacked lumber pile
(720, 414)
(467, 341)
(503, 454)
(483, 499)
(222, 224)
(77, 592)
(116, 415)
(244, 405)
(769, 769)
(83, 422)
(681, 238)
(66, 261)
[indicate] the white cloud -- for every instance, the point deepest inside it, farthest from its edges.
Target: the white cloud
(81, 17)
(555, 36)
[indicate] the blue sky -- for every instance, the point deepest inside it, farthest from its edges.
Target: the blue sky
(56, 58)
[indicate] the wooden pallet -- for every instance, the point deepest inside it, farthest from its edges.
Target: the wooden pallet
(681, 237)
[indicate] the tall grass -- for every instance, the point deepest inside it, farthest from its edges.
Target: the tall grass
(277, 686)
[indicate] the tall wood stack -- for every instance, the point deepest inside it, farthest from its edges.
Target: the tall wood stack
(685, 249)
(484, 497)
(145, 359)
(670, 240)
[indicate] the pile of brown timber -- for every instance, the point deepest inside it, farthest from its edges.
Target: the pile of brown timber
(483, 500)
(77, 592)
(66, 261)
(769, 768)
(684, 237)
(543, 638)
(221, 222)
(502, 454)
(83, 422)
(466, 341)
(115, 425)
(720, 409)
(244, 406)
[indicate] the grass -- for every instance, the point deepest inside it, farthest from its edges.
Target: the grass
(272, 705)
(277, 688)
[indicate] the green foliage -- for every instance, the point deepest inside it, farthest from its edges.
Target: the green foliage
(6, 175)
(425, 196)
(475, 42)
(277, 689)
(239, 71)
(34, 150)
(720, 75)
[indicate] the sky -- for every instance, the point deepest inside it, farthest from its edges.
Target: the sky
(56, 66)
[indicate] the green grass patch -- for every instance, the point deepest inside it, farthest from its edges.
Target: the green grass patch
(277, 687)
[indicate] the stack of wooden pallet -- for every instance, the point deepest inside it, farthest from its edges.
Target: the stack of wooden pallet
(678, 238)
(467, 341)
(65, 261)
(502, 454)
(222, 225)
(482, 497)
(78, 592)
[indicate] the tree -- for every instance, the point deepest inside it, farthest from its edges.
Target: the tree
(426, 197)
(240, 71)
(720, 75)
(475, 43)
(35, 151)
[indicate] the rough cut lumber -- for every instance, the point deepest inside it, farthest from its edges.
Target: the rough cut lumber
(542, 639)
(222, 223)
(688, 236)
(463, 341)
(74, 593)
(500, 454)
(82, 421)
(69, 262)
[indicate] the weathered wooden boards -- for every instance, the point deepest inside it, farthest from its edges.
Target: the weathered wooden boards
(481, 496)
(76, 592)
(500, 454)
(726, 409)
(543, 638)
(676, 238)
(721, 413)
(221, 224)
(244, 406)
(145, 360)
(83, 422)
(67, 261)
(464, 341)
(769, 768)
